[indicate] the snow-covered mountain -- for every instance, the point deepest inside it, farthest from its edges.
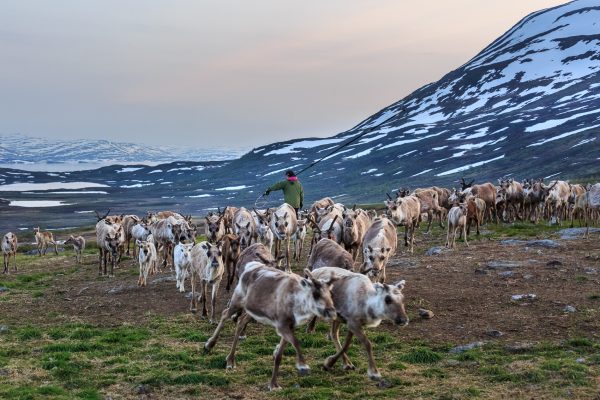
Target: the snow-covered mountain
(23, 150)
(528, 105)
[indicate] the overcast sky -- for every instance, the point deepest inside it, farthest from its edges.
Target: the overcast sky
(225, 73)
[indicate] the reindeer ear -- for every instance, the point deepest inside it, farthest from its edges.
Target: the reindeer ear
(370, 249)
(308, 274)
(138, 242)
(204, 246)
(388, 249)
(400, 285)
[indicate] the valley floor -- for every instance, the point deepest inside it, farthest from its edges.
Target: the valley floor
(67, 333)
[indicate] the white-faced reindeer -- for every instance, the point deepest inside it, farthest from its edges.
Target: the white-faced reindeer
(355, 224)
(215, 226)
(147, 258)
(283, 226)
(42, 239)
(280, 299)
(379, 245)
(207, 269)
(139, 231)
(457, 220)
(299, 237)
(9, 248)
(263, 227)
(405, 211)
(360, 303)
(244, 227)
(78, 243)
(182, 258)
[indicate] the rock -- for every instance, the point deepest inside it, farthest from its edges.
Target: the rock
(3, 289)
(452, 363)
(4, 329)
(466, 347)
(575, 233)
(553, 264)
(425, 314)
(590, 271)
(503, 264)
(580, 360)
(384, 384)
(143, 389)
(527, 276)
(434, 251)
(569, 309)
(518, 297)
(4, 372)
(522, 347)
(547, 243)
(494, 333)
(480, 271)
(170, 278)
(506, 274)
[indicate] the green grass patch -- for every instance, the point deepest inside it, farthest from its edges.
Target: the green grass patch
(29, 333)
(421, 355)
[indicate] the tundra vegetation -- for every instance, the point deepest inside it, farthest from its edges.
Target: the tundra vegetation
(66, 332)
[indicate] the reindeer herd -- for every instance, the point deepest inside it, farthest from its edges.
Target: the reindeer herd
(344, 281)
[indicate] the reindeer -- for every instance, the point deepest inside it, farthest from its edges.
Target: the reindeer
(405, 210)
(263, 229)
(298, 238)
(475, 213)
(244, 227)
(108, 238)
(486, 192)
(319, 208)
(78, 245)
(9, 248)
(147, 259)
(280, 299)
(355, 224)
(429, 204)
(208, 269)
(215, 227)
(457, 219)
(139, 231)
(129, 221)
(283, 225)
(327, 253)
(379, 245)
(182, 258)
(230, 245)
(557, 202)
(515, 196)
(360, 303)
(42, 239)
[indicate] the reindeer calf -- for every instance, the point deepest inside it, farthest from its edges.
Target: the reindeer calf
(78, 245)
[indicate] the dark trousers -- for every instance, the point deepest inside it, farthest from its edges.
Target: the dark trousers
(296, 212)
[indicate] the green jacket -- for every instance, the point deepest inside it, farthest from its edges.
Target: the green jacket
(293, 194)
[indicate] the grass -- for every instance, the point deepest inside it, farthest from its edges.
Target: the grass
(63, 358)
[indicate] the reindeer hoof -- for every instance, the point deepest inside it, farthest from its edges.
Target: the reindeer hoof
(328, 364)
(230, 365)
(273, 387)
(208, 346)
(349, 367)
(243, 337)
(374, 376)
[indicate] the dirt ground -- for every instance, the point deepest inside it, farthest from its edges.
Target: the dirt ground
(469, 297)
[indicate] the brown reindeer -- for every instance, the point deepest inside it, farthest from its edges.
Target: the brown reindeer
(280, 299)
(42, 239)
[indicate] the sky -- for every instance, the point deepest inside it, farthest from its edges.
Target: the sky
(234, 74)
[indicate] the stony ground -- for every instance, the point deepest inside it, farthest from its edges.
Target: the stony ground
(67, 333)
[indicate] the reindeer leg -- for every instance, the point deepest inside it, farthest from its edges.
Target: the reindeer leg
(233, 309)
(204, 294)
(241, 324)
(287, 256)
(340, 351)
(372, 371)
(15, 257)
(213, 305)
(277, 356)
(287, 334)
(56, 248)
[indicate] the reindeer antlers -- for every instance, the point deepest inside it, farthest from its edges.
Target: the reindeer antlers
(101, 218)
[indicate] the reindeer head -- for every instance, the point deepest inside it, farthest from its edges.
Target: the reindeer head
(145, 250)
(215, 260)
(464, 184)
(36, 229)
(317, 296)
(244, 231)
(391, 301)
(281, 223)
(113, 241)
(182, 253)
(70, 240)
(234, 246)
(215, 227)
(177, 232)
(375, 260)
